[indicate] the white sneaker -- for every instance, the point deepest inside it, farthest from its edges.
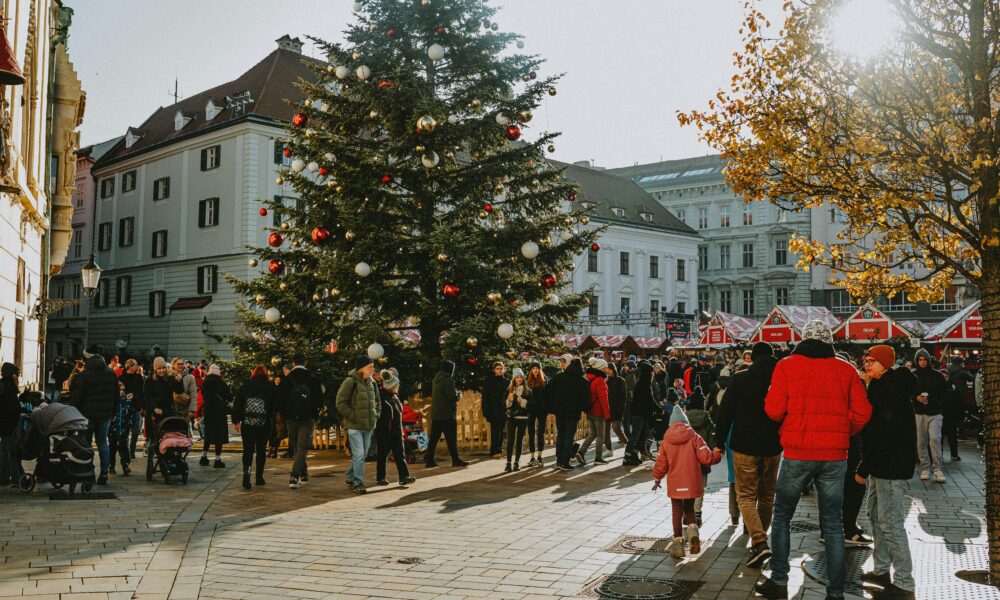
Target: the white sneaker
(939, 477)
(925, 475)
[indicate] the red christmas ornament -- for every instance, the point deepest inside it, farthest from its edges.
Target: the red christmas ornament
(390, 32)
(287, 152)
(320, 235)
(571, 197)
(275, 239)
(386, 84)
(513, 133)
(488, 207)
(442, 29)
(386, 179)
(323, 171)
(450, 290)
(299, 119)
(595, 246)
(472, 361)
(275, 266)
(549, 281)
(263, 212)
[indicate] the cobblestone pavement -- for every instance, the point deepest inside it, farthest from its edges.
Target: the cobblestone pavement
(455, 533)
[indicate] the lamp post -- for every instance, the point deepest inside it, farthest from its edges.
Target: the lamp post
(204, 330)
(91, 276)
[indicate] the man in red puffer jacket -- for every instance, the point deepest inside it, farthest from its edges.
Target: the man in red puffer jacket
(821, 403)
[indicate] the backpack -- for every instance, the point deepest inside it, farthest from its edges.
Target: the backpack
(255, 412)
(300, 401)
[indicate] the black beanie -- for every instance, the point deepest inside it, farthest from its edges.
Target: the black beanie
(761, 349)
(361, 361)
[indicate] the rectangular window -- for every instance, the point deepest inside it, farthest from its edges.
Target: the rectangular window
(703, 218)
(19, 343)
(654, 267)
(748, 214)
(833, 215)
(157, 303)
(724, 256)
(618, 212)
(593, 308)
(161, 188)
(702, 258)
(210, 157)
(781, 296)
(782, 215)
(160, 243)
(591, 261)
(682, 215)
(208, 212)
(840, 302)
(898, 303)
(126, 231)
(781, 253)
(748, 307)
(207, 279)
(949, 302)
(78, 194)
(107, 187)
(128, 181)
(747, 254)
(279, 153)
(625, 305)
(75, 311)
(22, 282)
(103, 294)
(703, 303)
(77, 242)
(726, 301)
(723, 216)
(623, 263)
(654, 307)
(123, 290)
(681, 269)
(682, 307)
(104, 236)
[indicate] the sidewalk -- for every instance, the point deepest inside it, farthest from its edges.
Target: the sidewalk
(455, 533)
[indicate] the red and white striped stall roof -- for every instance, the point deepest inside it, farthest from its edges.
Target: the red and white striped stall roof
(609, 341)
(784, 323)
(963, 327)
(725, 329)
(572, 340)
(869, 325)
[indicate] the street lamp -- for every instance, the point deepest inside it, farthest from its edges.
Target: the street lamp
(204, 330)
(91, 276)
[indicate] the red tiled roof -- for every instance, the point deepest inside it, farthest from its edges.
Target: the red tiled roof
(270, 83)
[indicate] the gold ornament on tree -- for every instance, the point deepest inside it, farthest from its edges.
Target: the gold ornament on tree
(426, 124)
(472, 341)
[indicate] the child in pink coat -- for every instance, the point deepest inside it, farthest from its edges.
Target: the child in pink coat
(681, 455)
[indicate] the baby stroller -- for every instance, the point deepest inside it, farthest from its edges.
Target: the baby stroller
(56, 441)
(414, 438)
(170, 450)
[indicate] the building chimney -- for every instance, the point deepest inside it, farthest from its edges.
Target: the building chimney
(287, 42)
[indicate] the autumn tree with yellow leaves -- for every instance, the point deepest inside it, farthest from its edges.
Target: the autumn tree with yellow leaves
(906, 144)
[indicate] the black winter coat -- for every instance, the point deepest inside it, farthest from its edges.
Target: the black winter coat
(540, 406)
(159, 393)
(296, 408)
(390, 418)
(569, 392)
(134, 383)
(937, 388)
(495, 397)
(754, 433)
(644, 402)
(258, 387)
(10, 408)
(675, 370)
(95, 391)
(889, 440)
(216, 399)
(617, 394)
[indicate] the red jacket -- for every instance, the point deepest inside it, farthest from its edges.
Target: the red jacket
(681, 455)
(820, 402)
(598, 394)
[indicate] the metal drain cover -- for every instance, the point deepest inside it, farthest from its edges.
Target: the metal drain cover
(634, 544)
(803, 526)
(621, 587)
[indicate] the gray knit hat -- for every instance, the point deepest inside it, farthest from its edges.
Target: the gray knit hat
(817, 330)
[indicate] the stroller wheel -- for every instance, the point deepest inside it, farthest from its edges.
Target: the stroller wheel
(87, 487)
(184, 478)
(26, 483)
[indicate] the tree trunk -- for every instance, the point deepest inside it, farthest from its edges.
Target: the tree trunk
(990, 311)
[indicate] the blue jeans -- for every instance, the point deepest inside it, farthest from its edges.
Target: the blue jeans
(100, 429)
(565, 434)
(638, 431)
(793, 477)
(360, 442)
(885, 510)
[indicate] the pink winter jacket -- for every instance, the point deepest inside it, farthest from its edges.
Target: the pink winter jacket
(681, 455)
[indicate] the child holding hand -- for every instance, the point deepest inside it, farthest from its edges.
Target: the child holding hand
(682, 453)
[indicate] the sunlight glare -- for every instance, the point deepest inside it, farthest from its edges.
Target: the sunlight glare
(862, 29)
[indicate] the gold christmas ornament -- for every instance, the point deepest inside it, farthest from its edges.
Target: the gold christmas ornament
(536, 184)
(494, 297)
(259, 298)
(307, 103)
(283, 286)
(334, 293)
(373, 114)
(252, 262)
(584, 220)
(279, 181)
(551, 148)
(511, 354)
(569, 220)
(420, 149)
(315, 297)
(275, 361)
(482, 214)
(339, 189)
(349, 235)
(498, 188)
(525, 116)
(475, 103)
(331, 184)
(286, 226)
(426, 124)
(552, 91)
(472, 341)
(442, 257)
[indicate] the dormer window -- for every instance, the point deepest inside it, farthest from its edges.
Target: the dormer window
(618, 212)
(213, 108)
(181, 119)
(647, 217)
(132, 136)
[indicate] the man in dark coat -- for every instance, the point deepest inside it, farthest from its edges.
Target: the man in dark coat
(494, 406)
(755, 445)
(887, 461)
(444, 404)
(569, 392)
(954, 407)
(641, 412)
(10, 416)
(95, 392)
(932, 392)
(301, 395)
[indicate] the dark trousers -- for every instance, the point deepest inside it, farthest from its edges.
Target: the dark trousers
(254, 442)
(497, 426)
(638, 433)
(218, 448)
(515, 437)
(854, 497)
(565, 432)
(391, 441)
(536, 430)
(949, 430)
(450, 430)
(682, 513)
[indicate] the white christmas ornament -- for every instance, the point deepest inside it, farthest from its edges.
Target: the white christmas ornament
(503, 120)
(313, 166)
(363, 72)
(552, 299)
(520, 45)
(342, 72)
(505, 331)
(357, 7)
(319, 105)
(272, 315)
(430, 159)
(363, 269)
(435, 52)
(529, 250)
(328, 157)
(297, 165)
(453, 119)
(376, 351)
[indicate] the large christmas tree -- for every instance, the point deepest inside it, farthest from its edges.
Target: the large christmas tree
(423, 206)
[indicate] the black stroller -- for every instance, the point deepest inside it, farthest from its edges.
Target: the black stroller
(56, 441)
(169, 450)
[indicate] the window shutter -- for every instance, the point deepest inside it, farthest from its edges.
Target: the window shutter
(164, 243)
(215, 278)
(152, 304)
(204, 159)
(166, 187)
(201, 213)
(218, 155)
(215, 211)
(201, 280)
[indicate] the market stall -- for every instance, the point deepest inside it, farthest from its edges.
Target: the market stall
(725, 330)
(869, 325)
(784, 324)
(959, 335)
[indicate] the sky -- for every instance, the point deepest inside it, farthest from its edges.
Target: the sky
(629, 64)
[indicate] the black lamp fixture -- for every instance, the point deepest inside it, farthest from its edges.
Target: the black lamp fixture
(204, 330)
